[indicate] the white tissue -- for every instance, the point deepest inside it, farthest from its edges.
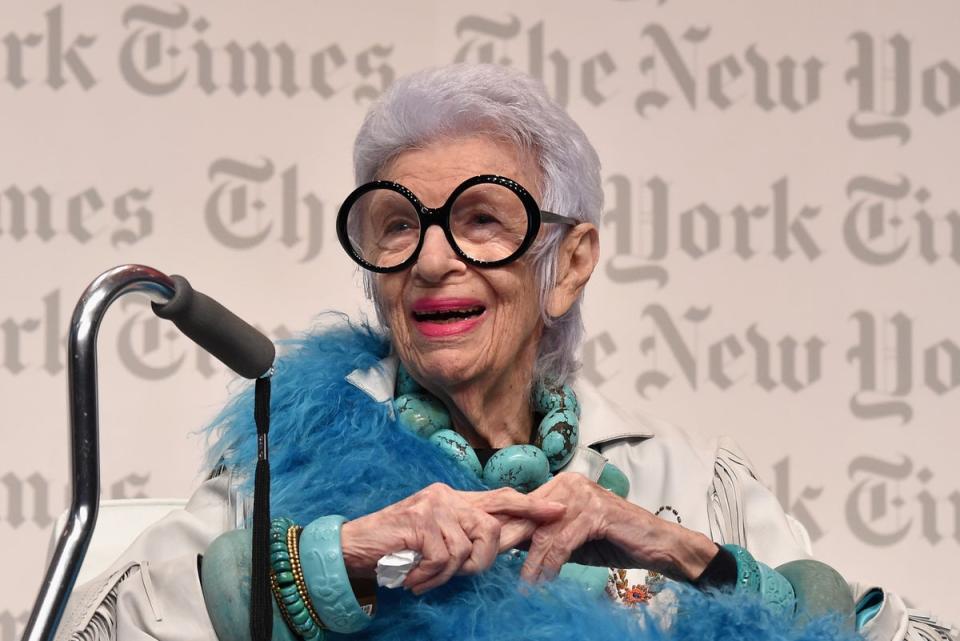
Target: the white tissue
(392, 569)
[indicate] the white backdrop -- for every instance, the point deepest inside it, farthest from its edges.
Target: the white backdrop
(781, 240)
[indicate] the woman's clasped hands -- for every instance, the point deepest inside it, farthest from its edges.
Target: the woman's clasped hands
(455, 532)
(459, 532)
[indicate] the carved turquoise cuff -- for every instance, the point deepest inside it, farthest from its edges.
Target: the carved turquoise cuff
(755, 577)
(331, 594)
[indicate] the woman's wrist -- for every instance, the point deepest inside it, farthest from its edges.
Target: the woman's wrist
(655, 544)
(693, 554)
(360, 554)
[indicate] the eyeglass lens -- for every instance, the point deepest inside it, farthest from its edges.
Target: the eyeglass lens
(488, 222)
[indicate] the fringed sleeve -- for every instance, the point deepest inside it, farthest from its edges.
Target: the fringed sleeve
(744, 512)
(152, 591)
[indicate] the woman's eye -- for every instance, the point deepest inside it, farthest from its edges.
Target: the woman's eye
(481, 218)
(396, 226)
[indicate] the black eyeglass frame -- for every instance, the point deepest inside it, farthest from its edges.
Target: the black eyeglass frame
(441, 216)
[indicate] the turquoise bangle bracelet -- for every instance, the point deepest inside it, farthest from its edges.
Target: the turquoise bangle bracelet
(321, 558)
(283, 583)
(755, 577)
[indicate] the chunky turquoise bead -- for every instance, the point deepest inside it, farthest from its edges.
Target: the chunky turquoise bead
(278, 529)
(406, 383)
(570, 400)
(300, 616)
(457, 447)
(555, 440)
(547, 397)
(614, 480)
(421, 413)
(295, 607)
(820, 590)
(522, 467)
(284, 577)
(557, 436)
(542, 399)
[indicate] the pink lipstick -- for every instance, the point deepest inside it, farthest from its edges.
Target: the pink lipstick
(440, 317)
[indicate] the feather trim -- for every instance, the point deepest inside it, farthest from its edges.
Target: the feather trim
(334, 450)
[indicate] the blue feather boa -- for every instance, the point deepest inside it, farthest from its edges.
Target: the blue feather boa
(334, 450)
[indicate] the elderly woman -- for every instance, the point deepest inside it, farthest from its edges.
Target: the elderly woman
(458, 433)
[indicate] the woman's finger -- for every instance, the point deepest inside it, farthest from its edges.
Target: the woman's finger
(565, 541)
(458, 545)
(513, 503)
(515, 531)
(552, 546)
(484, 533)
(540, 544)
(430, 543)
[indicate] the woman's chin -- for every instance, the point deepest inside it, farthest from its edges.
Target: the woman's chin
(449, 354)
(449, 368)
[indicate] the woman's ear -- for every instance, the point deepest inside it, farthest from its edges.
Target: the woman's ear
(578, 255)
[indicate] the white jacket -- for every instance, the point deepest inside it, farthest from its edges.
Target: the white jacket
(153, 590)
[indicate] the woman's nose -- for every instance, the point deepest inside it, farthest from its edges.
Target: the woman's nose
(437, 260)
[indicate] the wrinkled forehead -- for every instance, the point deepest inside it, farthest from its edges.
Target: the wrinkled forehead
(432, 171)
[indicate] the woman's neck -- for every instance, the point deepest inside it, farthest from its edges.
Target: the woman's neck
(493, 413)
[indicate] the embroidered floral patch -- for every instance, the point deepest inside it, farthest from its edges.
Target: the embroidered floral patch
(619, 587)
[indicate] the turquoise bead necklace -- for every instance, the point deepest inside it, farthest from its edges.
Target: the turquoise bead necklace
(522, 467)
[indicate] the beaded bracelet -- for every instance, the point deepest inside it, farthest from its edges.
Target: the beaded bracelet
(293, 545)
(287, 584)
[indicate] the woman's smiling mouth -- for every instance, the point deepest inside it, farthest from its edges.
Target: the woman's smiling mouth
(439, 317)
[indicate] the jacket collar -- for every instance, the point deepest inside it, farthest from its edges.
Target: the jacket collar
(601, 422)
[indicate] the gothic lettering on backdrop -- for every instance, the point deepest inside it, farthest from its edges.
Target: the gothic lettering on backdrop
(148, 348)
(891, 219)
(892, 83)
(879, 513)
(792, 363)
(45, 213)
(647, 229)
(152, 62)
(886, 89)
(33, 500)
(250, 199)
(166, 50)
(887, 355)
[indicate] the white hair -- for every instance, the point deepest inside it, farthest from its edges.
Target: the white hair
(461, 99)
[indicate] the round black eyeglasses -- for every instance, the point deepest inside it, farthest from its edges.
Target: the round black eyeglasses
(489, 221)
